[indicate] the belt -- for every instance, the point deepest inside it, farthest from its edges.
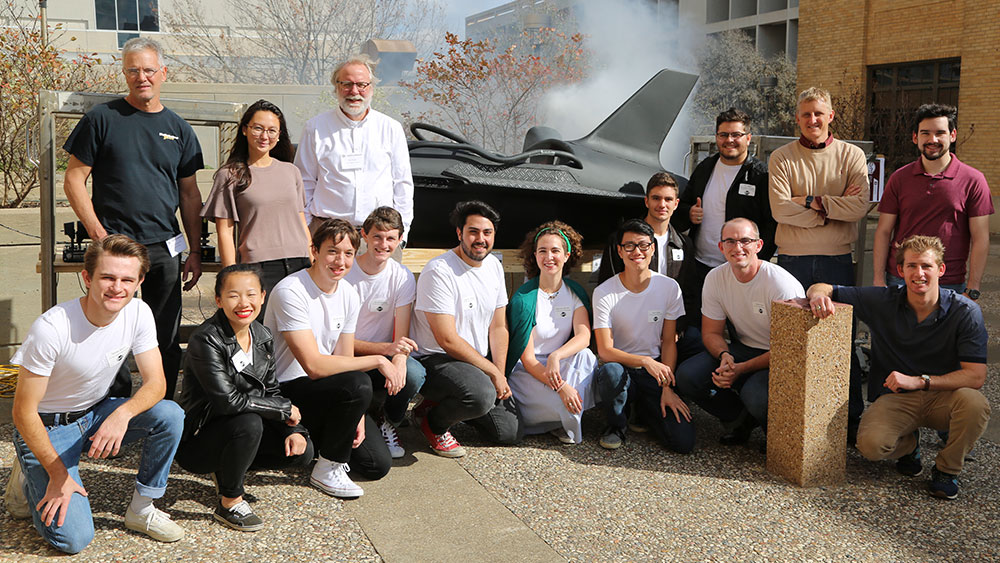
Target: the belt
(62, 418)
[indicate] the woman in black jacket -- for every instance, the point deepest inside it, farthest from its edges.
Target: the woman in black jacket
(235, 417)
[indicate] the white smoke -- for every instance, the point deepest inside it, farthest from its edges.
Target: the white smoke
(628, 42)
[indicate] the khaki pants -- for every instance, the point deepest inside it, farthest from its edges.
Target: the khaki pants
(887, 427)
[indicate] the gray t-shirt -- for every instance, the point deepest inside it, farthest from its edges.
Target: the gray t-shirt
(267, 212)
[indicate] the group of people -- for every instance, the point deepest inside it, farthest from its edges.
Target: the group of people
(322, 339)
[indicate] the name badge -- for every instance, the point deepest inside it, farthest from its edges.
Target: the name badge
(378, 306)
(748, 190)
(562, 312)
(655, 316)
(759, 308)
(352, 161)
(116, 357)
(468, 303)
(241, 360)
(677, 254)
(337, 323)
(176, 245)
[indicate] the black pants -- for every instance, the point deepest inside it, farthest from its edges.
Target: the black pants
(230, 445)
(273, 271)
(161, 290)
(331, 408)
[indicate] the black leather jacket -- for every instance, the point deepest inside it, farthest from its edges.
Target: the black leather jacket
(212, 386)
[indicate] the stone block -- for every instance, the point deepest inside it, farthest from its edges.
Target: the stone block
(807, 394)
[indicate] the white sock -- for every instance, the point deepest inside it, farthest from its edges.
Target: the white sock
(141, 505)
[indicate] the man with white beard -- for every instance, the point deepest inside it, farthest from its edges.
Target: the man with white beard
(354, 158)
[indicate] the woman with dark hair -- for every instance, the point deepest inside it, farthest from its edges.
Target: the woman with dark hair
(549, 365)
(261, 190)
(235, 416)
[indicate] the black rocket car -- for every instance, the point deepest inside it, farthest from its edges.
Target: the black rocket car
(592, 183)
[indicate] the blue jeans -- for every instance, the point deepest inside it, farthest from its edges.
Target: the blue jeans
(893, 281)
(834, 270)
(394, 406)
(694, 382)
(618, 385)
(161, 426)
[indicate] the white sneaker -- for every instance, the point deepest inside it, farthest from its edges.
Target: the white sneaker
(155, 524)
(17, 503)
(331, 478)
(392, 439)
(562, 435)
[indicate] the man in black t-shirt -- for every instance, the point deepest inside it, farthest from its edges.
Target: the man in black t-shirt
(143, 158)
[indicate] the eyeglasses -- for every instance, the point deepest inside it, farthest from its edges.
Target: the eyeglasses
(631, 246)
(148, 72)
(736, 136)
(362, 86)
(259, 131)
(744, 242)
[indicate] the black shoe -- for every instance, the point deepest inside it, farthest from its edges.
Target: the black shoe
(910, 464)
(943, 485)
(739, 435)
(239, 517)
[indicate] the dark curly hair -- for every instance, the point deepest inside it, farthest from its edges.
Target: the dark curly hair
(554, 228)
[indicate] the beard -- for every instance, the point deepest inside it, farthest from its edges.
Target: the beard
(477, 254)
(354, 110)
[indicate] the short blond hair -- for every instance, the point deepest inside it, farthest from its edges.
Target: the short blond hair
(918, 244)
(813, 94)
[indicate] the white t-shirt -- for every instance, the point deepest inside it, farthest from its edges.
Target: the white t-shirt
(380, 295)
(554, 320)
(748, 305)
(636, 319)
(81, 359)
(662, 242)
(297, 303)
(449, 286)
(713, 203)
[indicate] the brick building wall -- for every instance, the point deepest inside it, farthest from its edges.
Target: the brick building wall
(839, 40)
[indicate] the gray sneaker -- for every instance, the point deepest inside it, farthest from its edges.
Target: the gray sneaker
(17, 503)
(240, 517)
(612, 438)
(155, 524)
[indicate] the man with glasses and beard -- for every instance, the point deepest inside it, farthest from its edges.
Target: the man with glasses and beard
(354, 158)
(730, 380)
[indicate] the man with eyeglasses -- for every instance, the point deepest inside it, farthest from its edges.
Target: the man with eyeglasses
(143, 159)
(353, 158)
(729, 184)
(635, 317)
(819, 192)
(729, 380)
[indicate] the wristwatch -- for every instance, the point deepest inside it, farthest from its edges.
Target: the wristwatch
(973, 293)
(809, 201)
(927, 382)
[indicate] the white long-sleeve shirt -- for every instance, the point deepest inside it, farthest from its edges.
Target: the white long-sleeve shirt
(351, 167)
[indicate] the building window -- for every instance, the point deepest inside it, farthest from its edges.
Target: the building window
(895, 93)
(127, 15)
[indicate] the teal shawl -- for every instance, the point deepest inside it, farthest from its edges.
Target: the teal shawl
(521, 316)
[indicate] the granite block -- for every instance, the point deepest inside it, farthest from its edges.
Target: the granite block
(807, 394)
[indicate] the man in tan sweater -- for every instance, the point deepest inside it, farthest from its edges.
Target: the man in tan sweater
(818, 192)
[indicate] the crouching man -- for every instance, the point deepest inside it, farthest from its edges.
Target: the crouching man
(929, 361)
(61, 407)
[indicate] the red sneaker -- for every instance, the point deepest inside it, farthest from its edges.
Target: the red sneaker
(444, 445)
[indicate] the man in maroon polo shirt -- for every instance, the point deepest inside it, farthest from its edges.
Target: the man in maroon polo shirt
(936, 195)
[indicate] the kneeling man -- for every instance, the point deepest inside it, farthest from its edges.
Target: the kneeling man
(459, 318)
(928, 364)
(61, 407)
(635, 321)
(729, 380)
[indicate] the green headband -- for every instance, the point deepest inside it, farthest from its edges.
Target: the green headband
(569, 247)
